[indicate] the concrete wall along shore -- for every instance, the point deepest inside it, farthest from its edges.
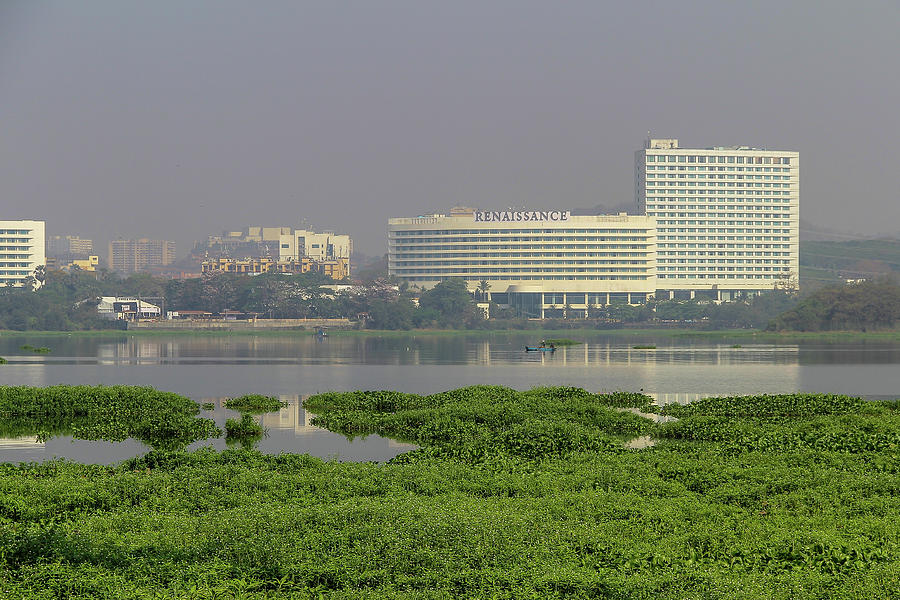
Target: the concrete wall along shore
(238, 325)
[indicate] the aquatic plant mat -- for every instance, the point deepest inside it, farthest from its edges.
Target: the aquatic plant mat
(511, 495)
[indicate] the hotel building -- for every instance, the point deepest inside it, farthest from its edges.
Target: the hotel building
(21, 250)
(727, 218)
(543, 263)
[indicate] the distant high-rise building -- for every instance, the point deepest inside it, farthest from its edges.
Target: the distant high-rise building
(302, 243)
(727, 217)
(21, 250)
(69, 247)
(130, 256)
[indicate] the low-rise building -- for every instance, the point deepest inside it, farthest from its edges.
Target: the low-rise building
(126, 308)
(87, 264)
(336, 269)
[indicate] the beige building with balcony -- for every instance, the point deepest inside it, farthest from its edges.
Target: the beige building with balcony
(542, 262)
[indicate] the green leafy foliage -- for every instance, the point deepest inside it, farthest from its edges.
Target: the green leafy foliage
(114, 413)
(540, 501)
(245, 427)
(787, 422)
(863, 306)
(479, 423)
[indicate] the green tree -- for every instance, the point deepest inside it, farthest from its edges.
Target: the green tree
(451, 300)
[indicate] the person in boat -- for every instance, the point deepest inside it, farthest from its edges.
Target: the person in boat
(552, 346)
(543, 344)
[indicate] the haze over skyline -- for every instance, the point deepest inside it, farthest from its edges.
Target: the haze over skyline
(179, 120)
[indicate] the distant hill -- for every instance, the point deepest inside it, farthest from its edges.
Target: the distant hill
(823, 262)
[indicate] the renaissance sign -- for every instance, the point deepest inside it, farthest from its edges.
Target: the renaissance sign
(522, 215)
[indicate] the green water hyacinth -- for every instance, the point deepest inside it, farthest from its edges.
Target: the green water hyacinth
(511, 494)
(114, 413)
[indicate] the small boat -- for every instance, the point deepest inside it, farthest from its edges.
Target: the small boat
(540, 349)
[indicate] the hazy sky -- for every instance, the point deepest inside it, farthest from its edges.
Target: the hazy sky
(174, 119)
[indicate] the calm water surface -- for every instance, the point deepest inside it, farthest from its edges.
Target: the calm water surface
(291, 367)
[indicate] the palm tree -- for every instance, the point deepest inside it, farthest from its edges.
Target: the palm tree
(483, 287)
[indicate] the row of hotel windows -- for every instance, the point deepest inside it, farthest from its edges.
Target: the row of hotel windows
(604, 231)
(692, 191)
(15, 231)
(721, 169)
(521, 254)
(711, 173)
(8, 256)
(15, 240)
(722, 261)
(423, 247)
(750, 160)
(754, 202)
(532, 264)
(453, 271)
(750, 206)
(774, 238)
(726, 276)
(538, 278)
(734, 215)
(11, 272)
(740, 184)
(14, 264)
(487, 240)
(733, 223)
(713, 177)
(589, 298)
(709, 245)
(719, 253)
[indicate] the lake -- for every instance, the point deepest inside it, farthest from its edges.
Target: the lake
(211, 368)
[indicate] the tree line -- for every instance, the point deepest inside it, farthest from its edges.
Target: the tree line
(68, 301)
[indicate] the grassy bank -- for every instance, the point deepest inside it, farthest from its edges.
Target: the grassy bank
(511, 495)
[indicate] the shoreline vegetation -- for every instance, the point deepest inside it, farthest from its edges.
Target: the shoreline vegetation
(584, 334)
(510, 494)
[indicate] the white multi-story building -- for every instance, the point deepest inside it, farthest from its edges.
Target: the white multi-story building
(727, 217)
(21, 250)
(323, 246)
(543, 263)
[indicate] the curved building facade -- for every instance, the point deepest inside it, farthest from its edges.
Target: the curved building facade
(543, 263)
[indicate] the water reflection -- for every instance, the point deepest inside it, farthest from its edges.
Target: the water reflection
(677, 369)
(411, 350)
(288, 431)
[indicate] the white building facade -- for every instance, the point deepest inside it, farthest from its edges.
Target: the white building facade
(21, 250)
(727, 218)
(300, 243)
(544, 263)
